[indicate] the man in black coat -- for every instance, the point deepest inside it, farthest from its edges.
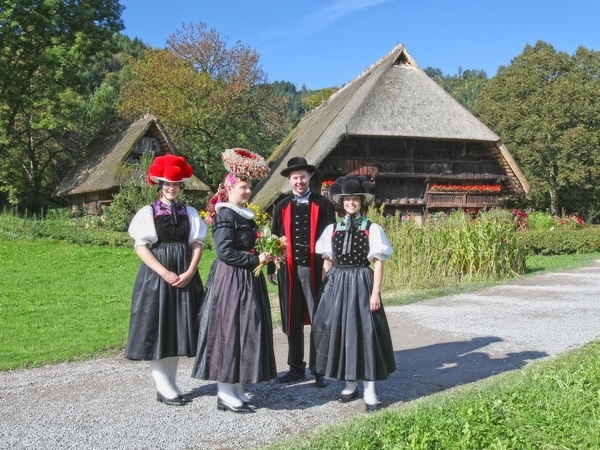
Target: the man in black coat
(301, 217)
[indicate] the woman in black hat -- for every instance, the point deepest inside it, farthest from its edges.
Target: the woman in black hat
(352, 336)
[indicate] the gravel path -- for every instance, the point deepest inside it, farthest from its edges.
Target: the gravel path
(440, 343)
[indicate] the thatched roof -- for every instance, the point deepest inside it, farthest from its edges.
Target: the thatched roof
(104, 167)
(392, 98)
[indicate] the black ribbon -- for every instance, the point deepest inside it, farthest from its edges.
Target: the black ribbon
(349, 235)
(174, 208)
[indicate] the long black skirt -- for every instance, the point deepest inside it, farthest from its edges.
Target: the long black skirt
(352, 343)
(235, 344)
(164, 319)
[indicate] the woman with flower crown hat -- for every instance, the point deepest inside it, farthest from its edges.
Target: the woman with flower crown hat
(168, 290)
(235, 343)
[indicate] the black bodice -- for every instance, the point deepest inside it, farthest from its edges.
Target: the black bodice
(360, 247)
(168, 232)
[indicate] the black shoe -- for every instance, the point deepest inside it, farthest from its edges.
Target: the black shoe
(222, 405)
(345, 398)
(177, 401)
(371, 408)
(185, 399)
(320, 381)
(291, 375)
(250, 405)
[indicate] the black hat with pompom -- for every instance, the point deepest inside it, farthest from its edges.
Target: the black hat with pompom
(352, 186)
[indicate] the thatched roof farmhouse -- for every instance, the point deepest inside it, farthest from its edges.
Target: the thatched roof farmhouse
(111, 160)
(396, 125)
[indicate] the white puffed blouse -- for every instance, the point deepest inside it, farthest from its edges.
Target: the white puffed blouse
(379, 246)
(143, 231)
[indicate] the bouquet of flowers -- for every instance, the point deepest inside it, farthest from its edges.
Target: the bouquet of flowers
(272, 244)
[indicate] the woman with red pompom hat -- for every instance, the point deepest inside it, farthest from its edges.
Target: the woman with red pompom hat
(168, 291)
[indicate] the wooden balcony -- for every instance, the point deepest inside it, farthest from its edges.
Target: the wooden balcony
(460, 200)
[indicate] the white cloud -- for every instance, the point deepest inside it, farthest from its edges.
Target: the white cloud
(313, 22)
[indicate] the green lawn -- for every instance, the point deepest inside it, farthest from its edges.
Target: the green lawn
(61, 301)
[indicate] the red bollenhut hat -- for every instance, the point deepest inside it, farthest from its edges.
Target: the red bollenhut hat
(171, 168)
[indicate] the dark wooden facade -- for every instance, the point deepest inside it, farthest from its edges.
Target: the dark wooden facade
(405, 170)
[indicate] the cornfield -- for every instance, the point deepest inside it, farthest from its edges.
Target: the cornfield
(457, 249)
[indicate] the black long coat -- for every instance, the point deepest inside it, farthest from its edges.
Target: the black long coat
(321, 214)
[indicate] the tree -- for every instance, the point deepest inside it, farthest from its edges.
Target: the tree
(465, 87)
(314, 98)
(546, 106)
(45, 49)
(208, 96)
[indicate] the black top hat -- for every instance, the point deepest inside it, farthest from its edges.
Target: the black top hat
(352, 186)
(297, 163)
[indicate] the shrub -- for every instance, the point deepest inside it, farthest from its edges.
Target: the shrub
(76, 230)
(538, 220)
(560, 241)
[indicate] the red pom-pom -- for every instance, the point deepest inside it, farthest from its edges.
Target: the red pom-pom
(169, 168)
(188, 172)
(156, 170)
(171, 160)
(173, 174)
(159, 161)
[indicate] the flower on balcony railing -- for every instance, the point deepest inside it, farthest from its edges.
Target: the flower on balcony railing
(471, 188)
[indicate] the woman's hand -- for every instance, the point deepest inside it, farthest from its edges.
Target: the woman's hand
(183, 280)
(375, 301)
(170, 277)
(265, 258)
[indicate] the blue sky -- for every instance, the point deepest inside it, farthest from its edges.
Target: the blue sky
(329, 42)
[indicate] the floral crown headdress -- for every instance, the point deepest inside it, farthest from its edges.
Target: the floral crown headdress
(245, 164)
(241, 164)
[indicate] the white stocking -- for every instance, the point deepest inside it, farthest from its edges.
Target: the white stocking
(172, 364)
(160, 373)
(239, 392)
(370, 395)
(227, 393)
(349, 388)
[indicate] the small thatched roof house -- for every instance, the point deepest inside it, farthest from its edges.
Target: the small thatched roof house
(396, 125)
(111, 161)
